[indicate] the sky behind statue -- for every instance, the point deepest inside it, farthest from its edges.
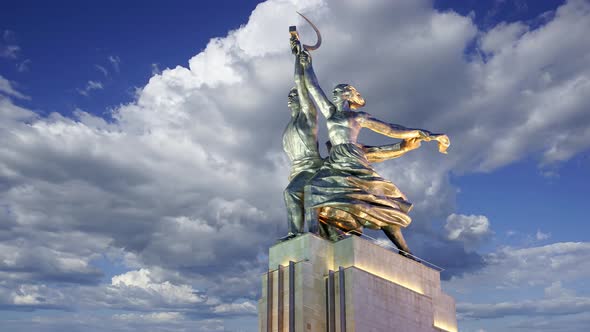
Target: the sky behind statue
(141, 168)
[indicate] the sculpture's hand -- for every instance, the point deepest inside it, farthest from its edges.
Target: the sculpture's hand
(305, 59)
(410, 144)
(443, 143)
(423, 133)
(295, 45)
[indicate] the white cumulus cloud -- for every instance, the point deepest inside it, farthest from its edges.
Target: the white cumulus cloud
(471, 230)
(7, 88)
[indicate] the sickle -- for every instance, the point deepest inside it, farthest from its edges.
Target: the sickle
(317, 32)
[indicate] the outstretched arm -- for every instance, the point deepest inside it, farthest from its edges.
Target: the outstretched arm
(411, 137)
(391, 130)
(312, 85)
(377, 154)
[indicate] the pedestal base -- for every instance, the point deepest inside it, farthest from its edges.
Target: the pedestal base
(352, 285)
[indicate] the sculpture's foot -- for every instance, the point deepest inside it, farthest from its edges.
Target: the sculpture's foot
(289, 237)
(394, 233)
(328, 232)
(410, 256)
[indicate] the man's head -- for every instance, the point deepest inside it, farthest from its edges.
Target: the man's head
(347, 92)
(293, 99)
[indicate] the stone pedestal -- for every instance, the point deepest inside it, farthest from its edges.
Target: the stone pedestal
(352, 285)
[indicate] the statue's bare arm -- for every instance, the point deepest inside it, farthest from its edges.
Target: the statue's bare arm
(388, 129)
(307, 106)
(312, 85)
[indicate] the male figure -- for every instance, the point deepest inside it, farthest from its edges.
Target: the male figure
(347, 192)
(301, 145)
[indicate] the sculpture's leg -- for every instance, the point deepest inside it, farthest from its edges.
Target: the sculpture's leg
(294, 203)
(329, 232)
(311, 218)
(323, 230)
(394, 233)
(311, 214)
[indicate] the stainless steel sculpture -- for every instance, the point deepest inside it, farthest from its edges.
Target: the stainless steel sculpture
(346, 193)
(300, 142)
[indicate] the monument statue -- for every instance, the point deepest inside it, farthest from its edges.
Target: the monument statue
(346, 283)
(343, 192)
(300, 142)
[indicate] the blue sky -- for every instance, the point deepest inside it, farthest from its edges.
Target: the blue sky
(59, 37)
(140, 148)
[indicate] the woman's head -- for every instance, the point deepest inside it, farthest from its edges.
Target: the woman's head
(346, 92)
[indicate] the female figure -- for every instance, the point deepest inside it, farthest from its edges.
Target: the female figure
(347, 192)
